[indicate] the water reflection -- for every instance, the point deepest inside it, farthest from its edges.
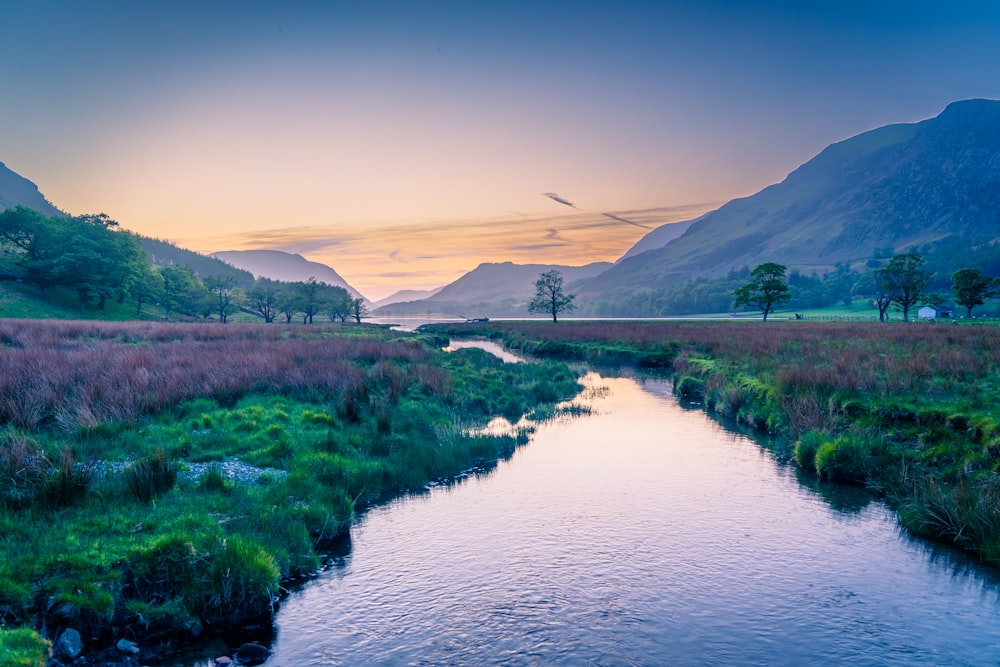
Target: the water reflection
(485, 345)
(641, 534)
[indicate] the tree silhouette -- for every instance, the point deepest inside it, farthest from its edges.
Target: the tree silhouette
(550, 297)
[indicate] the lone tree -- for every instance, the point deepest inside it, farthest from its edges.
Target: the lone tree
(358, 310)
(972, 287)
(550, 297)
(766, 290)
(904, 280)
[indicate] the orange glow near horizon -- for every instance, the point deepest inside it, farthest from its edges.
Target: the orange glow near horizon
(381, 258)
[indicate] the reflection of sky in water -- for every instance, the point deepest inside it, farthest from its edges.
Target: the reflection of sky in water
(641, 533)
(488, 346)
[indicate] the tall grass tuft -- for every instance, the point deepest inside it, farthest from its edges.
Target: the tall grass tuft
(244, 579)
(150, 476)
(69, 482)
(24, 470)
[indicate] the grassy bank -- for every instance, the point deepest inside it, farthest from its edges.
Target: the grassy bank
(157, 478)
(909, 410)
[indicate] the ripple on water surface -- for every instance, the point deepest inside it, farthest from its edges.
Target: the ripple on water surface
(640, 534)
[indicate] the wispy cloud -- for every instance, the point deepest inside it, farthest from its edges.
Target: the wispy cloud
(430, 253)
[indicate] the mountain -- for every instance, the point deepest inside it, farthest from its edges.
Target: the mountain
(658, 238)
(164, 253)
(284, 266)
(491, 282)
(496, 290)
(15, 190)
(406, 295)
(926, 184)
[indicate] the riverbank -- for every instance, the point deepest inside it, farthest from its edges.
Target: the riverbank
(904, 409)
(167, 480)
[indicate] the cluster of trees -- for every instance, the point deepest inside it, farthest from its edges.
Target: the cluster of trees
(902, 281)
(91, 256)
(87, 254)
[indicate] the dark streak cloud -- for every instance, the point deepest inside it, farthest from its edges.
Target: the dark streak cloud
(556, 198)
(612, 216)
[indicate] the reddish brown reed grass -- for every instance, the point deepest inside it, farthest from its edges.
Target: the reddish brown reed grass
(68, 374)
(873, 359)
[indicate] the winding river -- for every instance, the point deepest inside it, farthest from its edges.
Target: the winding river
(641, 533)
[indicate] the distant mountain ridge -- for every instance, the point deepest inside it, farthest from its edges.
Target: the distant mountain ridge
(284, 266)
(406, 295)
(16, 190)
(492, 289)
(901, 186)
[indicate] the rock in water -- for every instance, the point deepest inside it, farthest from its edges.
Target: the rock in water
(69, 645)
(252, 654)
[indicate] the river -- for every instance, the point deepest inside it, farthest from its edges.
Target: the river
(643, 533)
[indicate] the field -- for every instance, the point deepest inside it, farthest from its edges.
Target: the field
(158, 479)
(909, 410)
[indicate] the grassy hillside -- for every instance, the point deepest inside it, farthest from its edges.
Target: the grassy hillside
(25, 301)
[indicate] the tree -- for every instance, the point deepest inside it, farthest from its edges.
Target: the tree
(226, 295)
(842, 283)
(882, 299)
(339, 307)
(358, 310)
(148, 286)
(550, 297)
(182, 290)
(904, 281)
(766, 290)
(309, 302)
(265, 298)
(972, 287)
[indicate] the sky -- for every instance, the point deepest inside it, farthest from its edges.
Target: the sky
(404, 143)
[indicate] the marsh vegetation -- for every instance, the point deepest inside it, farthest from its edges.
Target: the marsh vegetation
(907, 410)
(158, 479)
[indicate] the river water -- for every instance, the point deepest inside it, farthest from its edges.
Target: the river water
(643, 533)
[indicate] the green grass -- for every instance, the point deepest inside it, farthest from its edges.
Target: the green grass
(104, 525)
(22, 647)
(19, 300)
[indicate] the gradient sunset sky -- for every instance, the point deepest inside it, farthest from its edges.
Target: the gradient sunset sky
(403, 143)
